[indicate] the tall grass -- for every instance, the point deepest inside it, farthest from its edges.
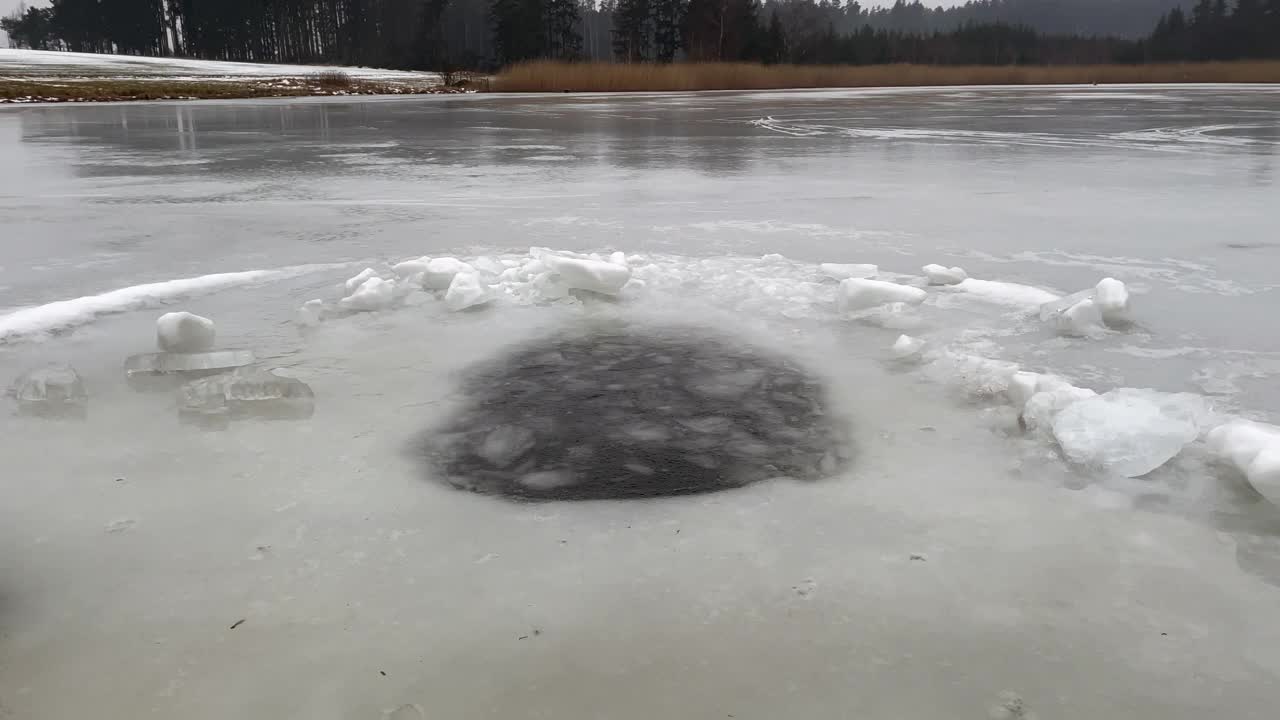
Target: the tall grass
(546, 76)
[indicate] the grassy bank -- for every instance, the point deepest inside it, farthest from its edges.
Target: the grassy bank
(616, 77)
(82, 89)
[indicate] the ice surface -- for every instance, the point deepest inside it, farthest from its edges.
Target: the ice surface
(244, 393)
(183, 332)
(593, 275)
(371, 294)
(54, 390)
(1007, 293)
(324, 536)
(1254, 449)
(940, 275)
(626, 410)
(861, 294)
(1129, 431)
(439, 272)
(466, 291)
(838, 271)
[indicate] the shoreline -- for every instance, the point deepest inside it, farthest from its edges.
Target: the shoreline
(60, 90)
(561, 77)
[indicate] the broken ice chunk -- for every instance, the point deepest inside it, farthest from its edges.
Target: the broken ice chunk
(51, 391)
(311, 313)
(1084, 319)
(183, 332)
(358, 280)
(164, 370)
(860, 294)
(939, 275)
(838, 271)
(1129, 431)
(596, 276)
(466, 291)
(1254, 449)
(372, 294)
(1109, 298)
(440, 272)
(1112, 298)
(907, 347)
(247, 392)
(411, 271)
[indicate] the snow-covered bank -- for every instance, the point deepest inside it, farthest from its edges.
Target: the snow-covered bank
(43, 63)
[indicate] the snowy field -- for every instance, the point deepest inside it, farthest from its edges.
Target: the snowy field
(70, 66)
(1044, 313)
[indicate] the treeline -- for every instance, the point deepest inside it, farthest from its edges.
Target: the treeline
(485, 34)
(1214, 30)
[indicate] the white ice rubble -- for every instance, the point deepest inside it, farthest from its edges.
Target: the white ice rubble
(1254, 449)
(183, 332)
(541, 276)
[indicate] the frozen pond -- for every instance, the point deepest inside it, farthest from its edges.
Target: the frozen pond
(318, 568)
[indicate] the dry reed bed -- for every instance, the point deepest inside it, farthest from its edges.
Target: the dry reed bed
(546, 76)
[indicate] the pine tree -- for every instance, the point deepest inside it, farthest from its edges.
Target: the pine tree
(519, 29)
(562, 19)
(633, 30)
